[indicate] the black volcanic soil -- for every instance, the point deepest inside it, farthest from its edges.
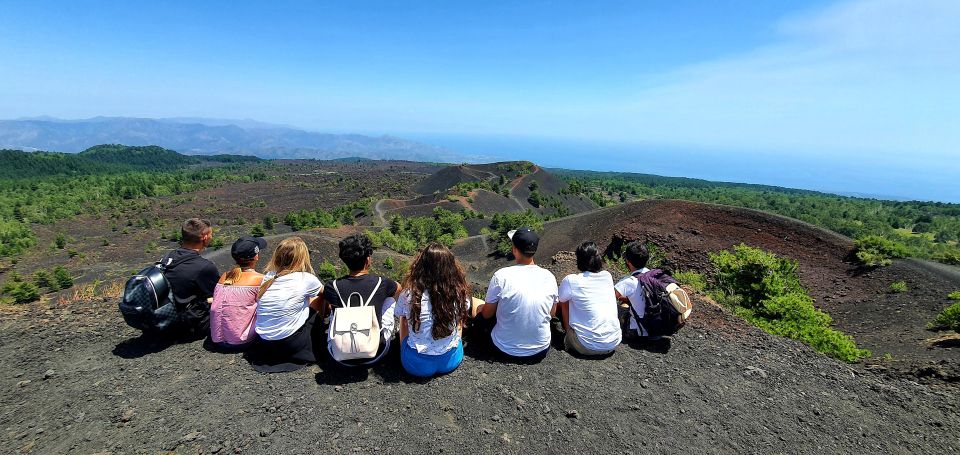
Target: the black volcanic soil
(76, 380)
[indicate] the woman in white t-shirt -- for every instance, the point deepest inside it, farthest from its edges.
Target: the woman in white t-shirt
(588, 306)
(286, 305)
(432, 308)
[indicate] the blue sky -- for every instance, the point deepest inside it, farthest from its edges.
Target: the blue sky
(875, 79)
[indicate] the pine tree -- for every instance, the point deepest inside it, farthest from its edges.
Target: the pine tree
(62, 277)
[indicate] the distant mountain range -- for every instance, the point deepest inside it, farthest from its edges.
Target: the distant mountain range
(199, 136)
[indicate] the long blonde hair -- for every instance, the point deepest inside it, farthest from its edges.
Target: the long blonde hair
(291, 256)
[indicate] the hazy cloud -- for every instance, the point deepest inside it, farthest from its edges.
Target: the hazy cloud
(859, 77)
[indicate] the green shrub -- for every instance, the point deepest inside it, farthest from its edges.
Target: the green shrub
(765, 290)
(948, 319)
(216, 243)
(326, 271)
(693, 280)
(396, 271)
(15, 290)
(15, 238)
(44, 279)
(877, 251)
(755, 275)
(949, 257)
(62, 277)
(344, 214)
(60, 242)
(24, 293)
(898, 287)
(955, 295)
(501, 223)
(406, 235)
(386, 238)
(257, 231)
(535, 199)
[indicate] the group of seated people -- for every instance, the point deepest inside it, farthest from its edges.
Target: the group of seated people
(282, 317)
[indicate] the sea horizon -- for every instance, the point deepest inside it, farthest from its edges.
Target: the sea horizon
(874, 177)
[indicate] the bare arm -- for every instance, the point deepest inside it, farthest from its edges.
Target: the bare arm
(564, 313)
(488, 310)
(403, 327)
(317, 304)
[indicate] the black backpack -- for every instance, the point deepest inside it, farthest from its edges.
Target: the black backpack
(148, 303)
(668, 305)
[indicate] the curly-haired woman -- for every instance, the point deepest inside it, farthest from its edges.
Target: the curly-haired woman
(432, 309)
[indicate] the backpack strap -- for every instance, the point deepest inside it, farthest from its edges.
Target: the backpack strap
(167, 262)
(375, 289)
(636, 316)
(346, 303)
(641, 288)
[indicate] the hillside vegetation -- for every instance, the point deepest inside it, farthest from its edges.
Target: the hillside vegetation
(920, 229)
(44, 187)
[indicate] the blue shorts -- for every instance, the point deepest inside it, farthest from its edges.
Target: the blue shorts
(424, 365)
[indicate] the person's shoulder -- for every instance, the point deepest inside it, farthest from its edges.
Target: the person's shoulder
(571, 278)
(384, 279)
(504, 272)
(306, 276)
(627, 279)
(546, 273)
(603, 275)
(208, 264)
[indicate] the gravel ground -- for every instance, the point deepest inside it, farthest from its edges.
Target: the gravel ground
(76, 380)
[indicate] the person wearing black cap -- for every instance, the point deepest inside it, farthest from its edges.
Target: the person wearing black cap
(234, 306)
(520, 302)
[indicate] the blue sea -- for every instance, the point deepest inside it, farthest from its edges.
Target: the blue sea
(862, 175)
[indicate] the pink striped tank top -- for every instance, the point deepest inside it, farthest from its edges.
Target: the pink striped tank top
(232, 314)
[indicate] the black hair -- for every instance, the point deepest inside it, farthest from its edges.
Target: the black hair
(193, 229)
(354, 251)
(588, 258)
(637, 254)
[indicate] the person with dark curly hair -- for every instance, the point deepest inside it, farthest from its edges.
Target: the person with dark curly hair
(432, 309)
(356, 252)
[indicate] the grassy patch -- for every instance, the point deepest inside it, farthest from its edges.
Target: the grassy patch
(898, 287)
(693, 280)
(948, 319)
(877, 251)
(765, 290)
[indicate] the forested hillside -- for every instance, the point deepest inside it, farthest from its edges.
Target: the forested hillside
(43, 187)
(927, 229)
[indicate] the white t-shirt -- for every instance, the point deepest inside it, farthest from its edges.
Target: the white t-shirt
(593, 309)
(524, 295)
(423, 340)
(629, 287)
(285, 307)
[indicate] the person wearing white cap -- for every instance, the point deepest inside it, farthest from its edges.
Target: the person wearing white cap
(520, 302)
